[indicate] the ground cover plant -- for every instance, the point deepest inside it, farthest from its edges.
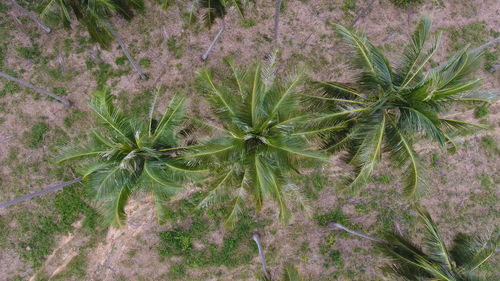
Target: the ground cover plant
(61, 235)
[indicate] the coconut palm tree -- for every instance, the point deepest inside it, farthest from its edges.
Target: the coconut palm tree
(96, 16)
(258, 144)
(130, 156)
(388, 109)
(435, 261)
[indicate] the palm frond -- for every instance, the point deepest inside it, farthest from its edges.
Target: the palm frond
(378, 72)
(369, 152)
(471, 251)
(434, 241)
(401, 149)
(165, 129)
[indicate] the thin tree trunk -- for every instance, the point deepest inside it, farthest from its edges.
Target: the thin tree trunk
(276, 24)
(35, 19)
(362, 235)
(35, 88)
(205, 55)
(40, 193)
(124, 49)
(256, 238)
(480, 48)
(363, 13)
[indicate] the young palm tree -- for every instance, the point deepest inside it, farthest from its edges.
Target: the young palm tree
(95, 15)
(130, 155)
(389, 109)
(259, 143)
(435, 261)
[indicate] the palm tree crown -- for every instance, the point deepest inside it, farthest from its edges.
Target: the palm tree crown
(460, 263)
(131, 155)
(259, 142)
(93, 14)
(388, 109)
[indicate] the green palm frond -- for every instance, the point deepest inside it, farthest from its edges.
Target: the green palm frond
(393, 107)
(411, 262)
(471, 251)
(256, 145)
(213, 9)
(129, 154)
(95, 15)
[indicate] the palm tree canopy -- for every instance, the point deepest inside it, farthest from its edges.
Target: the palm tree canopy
(130, 155)
(258, 142)
(213, 9)
(435, 261)
(389, 108)
(94, 14)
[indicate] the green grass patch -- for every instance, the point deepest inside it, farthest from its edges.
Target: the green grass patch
(482, 111)
(34, 137)
(489, 144)
(32, 53)
(38, 229)
(236, 249)
(334, 216)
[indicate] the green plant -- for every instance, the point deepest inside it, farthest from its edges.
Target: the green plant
(34, 137)
(406, 3)
(145, 62)
(437, 261)
(489, 144)
(389, 109)
(94, 15)
(213, 9)
(131, 155)
(482, 111)
(260, 141)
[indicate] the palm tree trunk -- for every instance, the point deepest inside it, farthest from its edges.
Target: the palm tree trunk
(480, 48)
(359, 234)
(276, 24)
(35, 19)
(40, 193)
(256, 238)
(35, 88)
(205, 55)
(124, 49)
(363, 13)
